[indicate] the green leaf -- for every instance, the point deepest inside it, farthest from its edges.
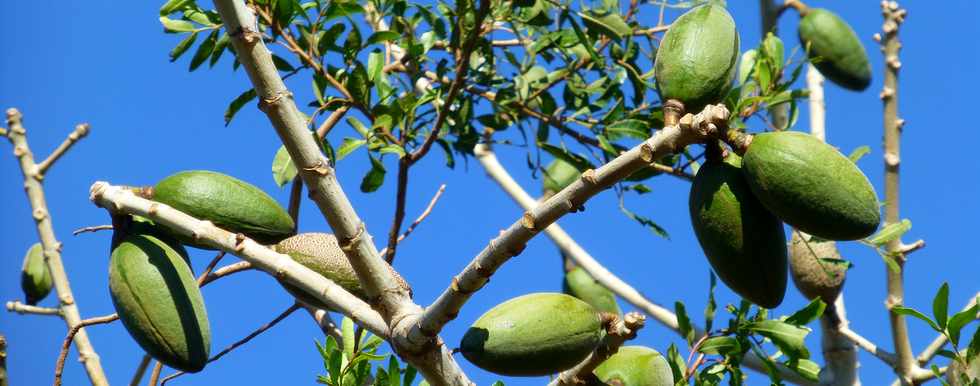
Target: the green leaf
(348, 146)
(174, 26)
(709, 309)
(974, 348)
(172, 6)
(805, 368)
(578, 161)
(237, 104)
(746, 64)
(902, 310)
(359, 85)
(940, 305)
(719, 345)
(341, 9)
(374, 177)
(282, 64)
(284, 11)
(394, 372)
(204, 50)
(889, 233)
(283, 169)
(347, 333)
(959, 320)
(381, 37)
(375, 65)
(774, 51)
(352, 45)
(807, 314)
(654, 227)
(450, 160)
(684, 323)
(610, 24)
(182, 47)
(678, 366)
(858, 153)
(219, 48)
(584, 40)
(409, 377)
(787, 337)
(628, 128)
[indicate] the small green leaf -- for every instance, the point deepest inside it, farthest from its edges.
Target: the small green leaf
(774, 51)
(182, 47)
(347, 333)
(283, 169)
(174, 26)
(610, 24)
(889, 233)
(859, 152)
(678, 366)
(348, 146)
(340, 9)
(282, 64)
(902, 310)
(745, 66)
(787, 337)
(219, 48)
(374, 177)
(940, 305)
(352, 45)
(172, 6)
(959, 320)
(359, 85)
(450, 160)
(381, 37)
(805, 368)
(237, 104)
(719, 345)
(684, 323)
(204, 50)
(375, 65)
(974, 348)
(709, 309)
(807, 314)
(394, 372)
(628, 128)
(284, 11)
(409, 377)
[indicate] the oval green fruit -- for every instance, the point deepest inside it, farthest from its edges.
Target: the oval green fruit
(811, 186)
(321, 253)
(35, 278)
(229, 203)
(697, 59)
(744, 243)
(816, 267)
(533, 335)
(580, 284)
(834, 49)
(558, 175)
(635, 366)
(158, 300)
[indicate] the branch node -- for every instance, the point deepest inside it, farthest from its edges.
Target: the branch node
(349, 244)
(268, 101)
(589, 177)
(39, 214)
(320, 168)
(527, 220)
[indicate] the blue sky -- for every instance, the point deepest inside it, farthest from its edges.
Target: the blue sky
(106, 63)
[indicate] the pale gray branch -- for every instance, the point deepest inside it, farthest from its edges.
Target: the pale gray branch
(21, 308)
(81, 130)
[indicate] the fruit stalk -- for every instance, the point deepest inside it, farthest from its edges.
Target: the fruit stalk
(33, 176)
(618, 331)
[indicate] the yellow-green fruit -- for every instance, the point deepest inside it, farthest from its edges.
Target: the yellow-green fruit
(158, 300)
(816, 267)
(321, 253)
(959, 374)
(35, 278)
(533, 335)
(744, 243)
(231, 204)
(580, 284)
(635, 366)
(811, 186)
(697, 59)
(834, 49)
(558, 175)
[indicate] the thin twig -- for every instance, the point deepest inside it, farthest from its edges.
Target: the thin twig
(331, 121)
(16, 134)
(867, 345)
(295, 199)
(242, 341)
(95, 228)
(21, 308)
(155, 374)
(140, 370)
(81, 130)
(396, 222)
(418, 220)
(207, 270)
(59, 365)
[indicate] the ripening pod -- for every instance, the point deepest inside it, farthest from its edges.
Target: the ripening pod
(35, 277)
(811, 186)
(744, 243)
(231, 204)
(321, 253)
(816, 267)
(635, 366)
(697, 58)
(558, 175)
(959, 374)
(158, 300)
(580, 284)
(533, 335)
(834, 49)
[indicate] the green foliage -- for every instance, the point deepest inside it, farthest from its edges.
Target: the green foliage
(355, 362)
(950, 326)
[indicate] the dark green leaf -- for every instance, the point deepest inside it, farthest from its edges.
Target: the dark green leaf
(237, 104)
(974, 347)
(450, 160)
(584, 40)
(381, 37)
(628, 128)
(182, 47)
(677, 364)
(174, 26)
(578, 161)
(285, 10)
(709, 309)
(959, 320)
(359, 85)
(787, 337)
(654, 227)
(219, 48)
(610, 24)
(352, 45)
(374, 177)
(340, 9)
(684, 323)
(204, 50)
(409, 376)
(394, 372)
(807, 314)
(889, 233)
(858, 153)
(940, 305)
(719, 345)
(902, 310)
(283, 169)
(805, 368)
(348, 146)
(282, 64)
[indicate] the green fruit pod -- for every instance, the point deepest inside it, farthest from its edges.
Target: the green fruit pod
(558, 175)
(811, 186)
(321, 253)
(231, 204)
(35, 277)
(697, 59)
(744, 243)
(817, 268)
(960, 374)
(580, 284)
(533, 335)
(635, 366)
(834, 49)
(158, 300)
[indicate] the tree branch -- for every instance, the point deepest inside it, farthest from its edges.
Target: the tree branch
(140, 370)
(52, 247)
(81, 130)
(155, 374)
(583, 259)
(418, 220)
(618, 331)
(59, 365)
(21, 308)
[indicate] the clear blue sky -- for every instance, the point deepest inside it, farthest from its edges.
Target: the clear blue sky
(105, 62)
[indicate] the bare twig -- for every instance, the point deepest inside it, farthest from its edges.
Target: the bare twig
(21, 308)
(868, 346)
(95, 228)
(207, 270)
(618, 331)
(396, 223)
(81, 130)
(155, 374)
(226, 270)
(583, 259)
(295, 199)
(421, 217)
(140, 370)
(52, 247)
(66, 344)
(242, 341)
(3, 361)
(331, 121)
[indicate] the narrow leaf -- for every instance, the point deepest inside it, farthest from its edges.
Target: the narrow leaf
(204, 50)
(182, 47)
(237, 104)
(959, 320)
(174, 26)
(787, 337)
(684, 323)
(890, 232)
(719, 345)
(859, 152)
(807, 314)
(902, 310)
(940, 305)
(374, 177)
(283, 169)
(381, 37)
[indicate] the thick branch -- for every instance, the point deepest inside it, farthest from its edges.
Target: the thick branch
(52, 247)
(121, 200)
(618, 331)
